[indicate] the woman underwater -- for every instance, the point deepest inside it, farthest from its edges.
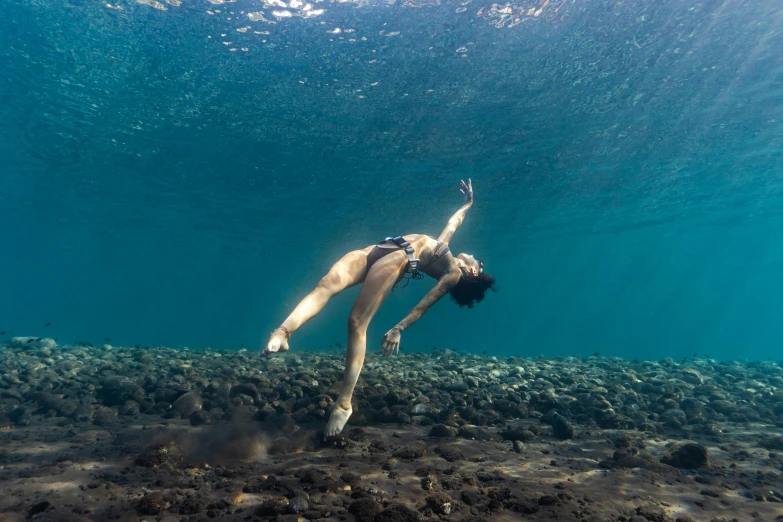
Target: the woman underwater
(380, 267)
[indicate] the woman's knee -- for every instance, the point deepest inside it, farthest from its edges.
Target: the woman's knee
(357, 324)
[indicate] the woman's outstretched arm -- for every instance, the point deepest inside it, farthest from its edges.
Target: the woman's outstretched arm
(459, 216)
(391, 341)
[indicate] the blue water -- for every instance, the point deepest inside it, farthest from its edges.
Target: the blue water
(163, 184)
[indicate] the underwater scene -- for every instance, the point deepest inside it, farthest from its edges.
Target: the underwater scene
(391, 260)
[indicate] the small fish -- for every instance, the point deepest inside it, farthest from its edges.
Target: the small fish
(2, 333)
(48, 324)
(338, 345)
(242, 345)
(107, 339)
(29, 341)
(596, 354)
(136, 345)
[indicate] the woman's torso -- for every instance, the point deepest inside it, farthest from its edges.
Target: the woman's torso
(433, 255)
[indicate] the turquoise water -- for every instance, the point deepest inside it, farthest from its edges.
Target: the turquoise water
(184, 176)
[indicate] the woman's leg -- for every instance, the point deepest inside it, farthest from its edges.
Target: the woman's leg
(379, 282)
(347, 272)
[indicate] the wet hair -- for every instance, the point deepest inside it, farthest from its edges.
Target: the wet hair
(470, 289)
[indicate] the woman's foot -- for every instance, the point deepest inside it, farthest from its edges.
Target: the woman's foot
(337, 420)
(277, 343)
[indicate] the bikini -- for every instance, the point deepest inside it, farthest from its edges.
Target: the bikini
(392, 244)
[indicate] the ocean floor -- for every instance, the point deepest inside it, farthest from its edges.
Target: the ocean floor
(111, 433)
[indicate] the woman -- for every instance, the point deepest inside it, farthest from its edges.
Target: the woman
(380, 267)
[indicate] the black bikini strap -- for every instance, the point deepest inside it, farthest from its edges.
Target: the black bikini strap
(413, 263)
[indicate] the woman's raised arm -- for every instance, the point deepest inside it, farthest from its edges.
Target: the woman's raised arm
(459, 216)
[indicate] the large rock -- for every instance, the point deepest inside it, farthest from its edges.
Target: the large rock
(514, 434)
(772, 443)
(561, 428)
(475, 433)
(674, 418)
(116, 389)
(723, 407)
(412, 451)
(188, 404)
(398, 513)
(441, 430)
(364, 509)
(457, 386)
(689, 455)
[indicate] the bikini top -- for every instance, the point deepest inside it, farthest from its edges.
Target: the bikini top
(413, 263)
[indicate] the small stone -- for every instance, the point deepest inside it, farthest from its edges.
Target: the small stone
(457, 386)
(130, 408)
(297, 505)
(390, 464)
(518, 446)
(429, 482)
(269, 508)
(104, 416)
(419, 409)
(652, 513)
(158, 455)
(475, 433)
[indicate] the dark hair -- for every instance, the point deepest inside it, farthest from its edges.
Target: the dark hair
(471, 289)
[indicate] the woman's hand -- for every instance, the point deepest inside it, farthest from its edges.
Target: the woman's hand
(391, 341)
(278, 342)
(467, 190)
